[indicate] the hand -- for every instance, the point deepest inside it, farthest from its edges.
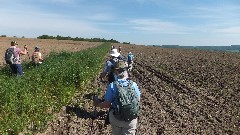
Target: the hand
(25, 47)
(95, 100)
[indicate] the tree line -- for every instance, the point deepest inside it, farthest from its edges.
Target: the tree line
(77, 39)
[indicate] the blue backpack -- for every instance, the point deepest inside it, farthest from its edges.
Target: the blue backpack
(130, 57)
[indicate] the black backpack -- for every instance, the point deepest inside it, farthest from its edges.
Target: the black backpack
(128, 107)
(9, 56)
(111, 73)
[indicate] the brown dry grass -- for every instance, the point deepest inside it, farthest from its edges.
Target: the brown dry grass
(46, 45)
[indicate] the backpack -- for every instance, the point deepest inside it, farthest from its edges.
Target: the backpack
(9, 56)
(130, 57)
(35, 57)
(128, 107)
(111, 73)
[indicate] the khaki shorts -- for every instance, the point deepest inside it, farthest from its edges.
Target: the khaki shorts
(122, 127)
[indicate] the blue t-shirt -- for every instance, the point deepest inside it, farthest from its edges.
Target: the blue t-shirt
(111, 93)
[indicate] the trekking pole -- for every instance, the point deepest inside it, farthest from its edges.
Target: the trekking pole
(95, 97)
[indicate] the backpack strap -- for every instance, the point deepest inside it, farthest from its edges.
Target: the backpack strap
(129, 84)
(117, 84)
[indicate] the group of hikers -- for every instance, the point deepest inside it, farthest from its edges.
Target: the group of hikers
(119, 48)
(13, 57)
(122, 95)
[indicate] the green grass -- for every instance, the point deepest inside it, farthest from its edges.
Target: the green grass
(28, 102)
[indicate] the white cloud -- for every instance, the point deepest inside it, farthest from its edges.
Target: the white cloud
(229, 30)
(158, 26)
(101, 17)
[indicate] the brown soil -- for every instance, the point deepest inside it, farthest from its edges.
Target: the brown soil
(183, 92)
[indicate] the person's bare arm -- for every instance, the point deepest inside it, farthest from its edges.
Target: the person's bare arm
(103, 75)
(24, 52)
(40, 57)
(104, 104)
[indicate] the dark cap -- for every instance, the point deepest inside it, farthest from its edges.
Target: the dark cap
(37, 47)
(14, 42)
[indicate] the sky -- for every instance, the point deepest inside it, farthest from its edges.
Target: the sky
(141, 22)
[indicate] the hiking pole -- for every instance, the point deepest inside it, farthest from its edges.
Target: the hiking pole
(94, 115)
(95, 97)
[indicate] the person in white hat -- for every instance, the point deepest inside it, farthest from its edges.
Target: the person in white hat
(108, 68)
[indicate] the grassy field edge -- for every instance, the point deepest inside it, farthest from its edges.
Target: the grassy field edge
(29, 102)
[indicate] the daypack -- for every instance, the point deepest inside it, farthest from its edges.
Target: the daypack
(121, 57)
(128, 107)
(9, 56)
(130, 57)
(111, 73)
(35, 57)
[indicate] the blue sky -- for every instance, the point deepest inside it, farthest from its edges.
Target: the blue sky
(143, 22)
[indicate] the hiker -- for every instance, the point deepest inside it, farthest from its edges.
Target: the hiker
(12, 57)
(130, 61)
(122, 119)
(112, 47)
(37, 56)
(120, 49)
(108, 68)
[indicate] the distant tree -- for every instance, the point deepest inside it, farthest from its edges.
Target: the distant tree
(126, 42)
(58, 37)
(3, 35)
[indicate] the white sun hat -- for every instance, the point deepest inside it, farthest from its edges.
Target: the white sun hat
(114, 53)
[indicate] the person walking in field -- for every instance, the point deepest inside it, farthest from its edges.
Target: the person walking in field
(37, 56)
(108, 70)
(12, 57)
(120, 49)
(123, 99)
(112, 47)
(130, 61)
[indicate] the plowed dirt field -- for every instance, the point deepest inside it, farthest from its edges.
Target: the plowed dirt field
(183, 92)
